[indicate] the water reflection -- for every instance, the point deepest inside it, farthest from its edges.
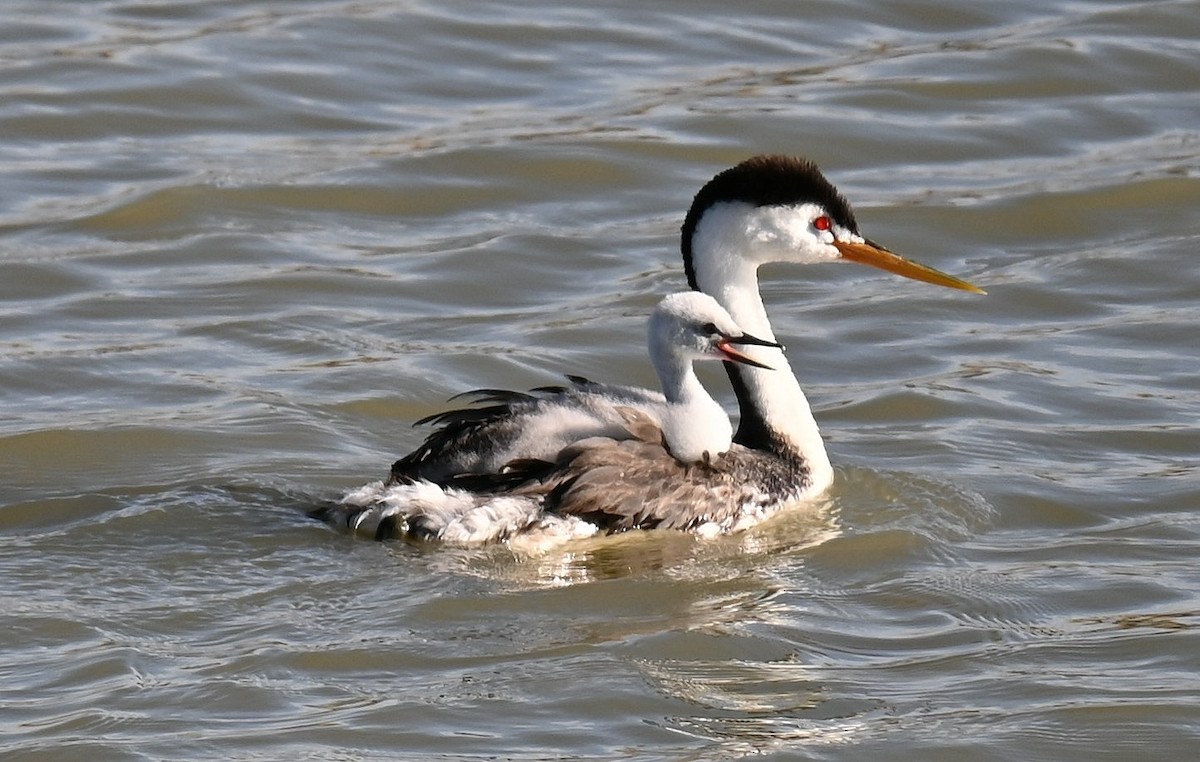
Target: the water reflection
(230, 229)
(635, 554)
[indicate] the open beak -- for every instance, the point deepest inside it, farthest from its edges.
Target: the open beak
(733, 354)
(871, 253)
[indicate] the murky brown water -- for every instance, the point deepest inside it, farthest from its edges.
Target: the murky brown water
(244, 244)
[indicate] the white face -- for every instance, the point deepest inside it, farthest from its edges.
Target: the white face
(803, 233)
(689, 325)
(705, 337)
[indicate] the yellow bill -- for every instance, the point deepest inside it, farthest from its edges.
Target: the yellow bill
(869, 253)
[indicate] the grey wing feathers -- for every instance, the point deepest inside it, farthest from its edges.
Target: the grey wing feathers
(637, 484)
(463, 432)
(613, 479)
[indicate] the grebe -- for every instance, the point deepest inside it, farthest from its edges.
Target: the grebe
(766, 209)
(692, 432)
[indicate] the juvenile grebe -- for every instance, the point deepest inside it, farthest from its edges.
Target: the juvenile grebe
(692, 435)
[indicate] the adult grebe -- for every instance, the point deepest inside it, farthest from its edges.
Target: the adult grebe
(766, 209)
(692, 431)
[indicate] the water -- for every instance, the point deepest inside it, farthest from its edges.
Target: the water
(244, 244)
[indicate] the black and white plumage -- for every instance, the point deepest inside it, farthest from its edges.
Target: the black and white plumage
(766, 209)
(680, 470)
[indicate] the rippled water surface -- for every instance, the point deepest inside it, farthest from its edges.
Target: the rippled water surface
(243, 245)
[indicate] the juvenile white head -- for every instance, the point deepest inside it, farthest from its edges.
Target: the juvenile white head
(683, 328)
(690, 326)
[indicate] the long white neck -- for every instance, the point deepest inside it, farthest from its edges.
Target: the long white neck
(774, 410)
(693, 423)
(677, 376)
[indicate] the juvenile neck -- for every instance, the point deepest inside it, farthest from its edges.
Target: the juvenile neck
(678, 378)
(694, 425)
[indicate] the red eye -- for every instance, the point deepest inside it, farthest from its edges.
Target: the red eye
(822, 223)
